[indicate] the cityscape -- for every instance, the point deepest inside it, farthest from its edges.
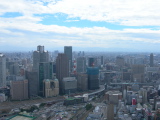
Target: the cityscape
(79, 85)
(79, 60)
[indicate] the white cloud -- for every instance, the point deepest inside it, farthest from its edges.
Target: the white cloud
(124, 12)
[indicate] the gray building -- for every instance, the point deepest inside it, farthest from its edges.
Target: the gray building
(82, 82)
(151, 60)
(33, 86)
(2, 70)
(69, 85)
(39, 56)
(62, 68)
(81, 64)
(68, 53)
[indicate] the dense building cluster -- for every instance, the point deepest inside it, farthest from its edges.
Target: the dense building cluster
(120, 86)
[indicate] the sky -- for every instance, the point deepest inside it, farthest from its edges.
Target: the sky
(87, 25)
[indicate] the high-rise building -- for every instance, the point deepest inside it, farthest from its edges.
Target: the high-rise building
(19, 90)
(68, 52)
(102, 60)
(82, 82)
(110, 112)
(120, 61)
(69, 85)
(93, 81)
(138, 72)
(33, 83)
(39, 56)
(62, 68)
(81, 64)
(51, 87)
(151, 60)
(45, 72)
(91, 62)
(2, 70)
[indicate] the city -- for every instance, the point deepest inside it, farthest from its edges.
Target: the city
(79, 60)
(81, 85)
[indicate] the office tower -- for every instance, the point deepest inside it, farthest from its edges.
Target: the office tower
(39, 56)
(110, 112)
(138, 72)
(2, 70)
(62, 68)
(151, 60)
(19, 90)
(102, 60)
(120, 61)
(81, 64)
(68, 53)
(82, 82)
(33, 86)
(93, 81)
(69, 85)
(91, 62)
(45, 72)
(14, 69)
(50, 87)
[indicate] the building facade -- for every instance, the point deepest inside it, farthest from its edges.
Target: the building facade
(93, 80)
(68, 53)
(62, 68)
(2, 70)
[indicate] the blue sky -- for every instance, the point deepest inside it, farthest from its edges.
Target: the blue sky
(91, 25)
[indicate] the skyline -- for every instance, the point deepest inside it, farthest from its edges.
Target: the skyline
(119, 25)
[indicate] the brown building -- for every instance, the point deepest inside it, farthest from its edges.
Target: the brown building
(138, 72)
(62, 68)
(82, 82)
(113, 97)
(110, 112)
(19, 90)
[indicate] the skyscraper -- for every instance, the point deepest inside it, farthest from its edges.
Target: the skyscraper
(93, 81)
(39, 56)
(2, 70)
(62, 68)
(45, 72)
(151, 60)
(81, 64)
(68, 52)
(91, 62)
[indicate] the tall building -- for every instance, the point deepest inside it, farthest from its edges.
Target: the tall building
(93, 81)
(151, 60)
(138, 72)
(91, 62)
(39, 56)
(62, 68)
(51, 87)
(19, 90)
(2, 70)
(82, 82)
(110, 112)
(69, 85)
(33, 86)
(45, 72)
(68, 52)
(102, 60)
(81, 64)
(120, 61)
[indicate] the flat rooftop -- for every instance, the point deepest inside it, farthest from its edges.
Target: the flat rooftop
(21, 117)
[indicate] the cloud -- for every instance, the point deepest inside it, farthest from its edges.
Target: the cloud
(123, 12)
